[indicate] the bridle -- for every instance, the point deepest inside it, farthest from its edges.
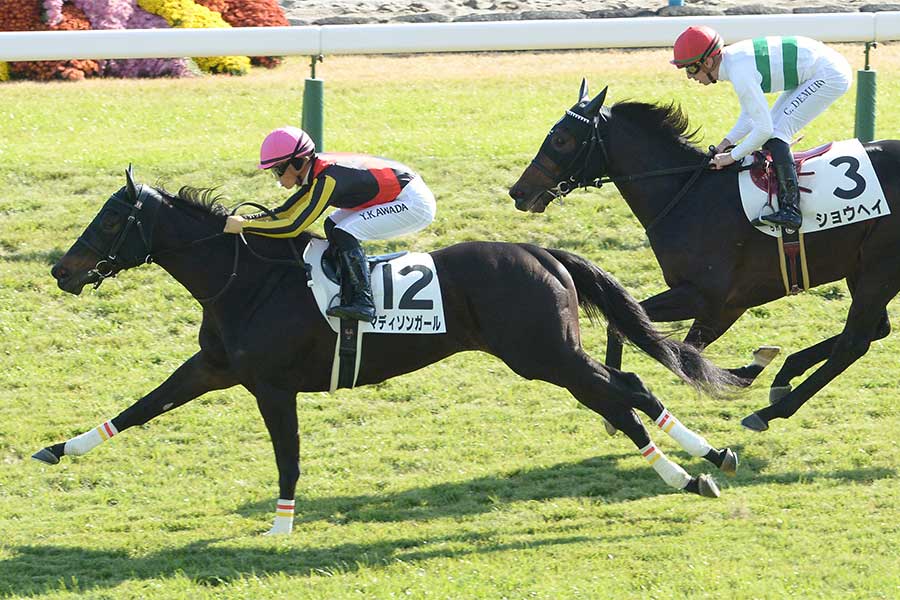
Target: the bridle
(113, 260)
(575, 174)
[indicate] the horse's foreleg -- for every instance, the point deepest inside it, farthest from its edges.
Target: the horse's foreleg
(677, 304)
(708, 328)
(192, 379)
(279, 411)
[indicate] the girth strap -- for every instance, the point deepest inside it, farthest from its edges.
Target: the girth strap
(347, 355)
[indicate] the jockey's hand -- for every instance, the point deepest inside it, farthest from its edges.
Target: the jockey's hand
(234, 224)
(720, 161)
(724, 146)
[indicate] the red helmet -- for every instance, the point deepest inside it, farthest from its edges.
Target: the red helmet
(696, 44)
(284, 144)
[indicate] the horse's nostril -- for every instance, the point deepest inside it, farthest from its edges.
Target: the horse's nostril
(58, 272)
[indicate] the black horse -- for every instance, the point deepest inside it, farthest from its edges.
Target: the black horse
(715, 263)
(518, 302)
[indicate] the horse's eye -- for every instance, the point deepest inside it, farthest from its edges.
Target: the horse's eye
(559, 140)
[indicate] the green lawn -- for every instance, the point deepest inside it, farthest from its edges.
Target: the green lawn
(458, 481)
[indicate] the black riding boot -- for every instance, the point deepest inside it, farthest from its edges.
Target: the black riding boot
(356, 289)
(788, 214)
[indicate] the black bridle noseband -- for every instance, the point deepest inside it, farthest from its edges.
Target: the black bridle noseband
(575, 174)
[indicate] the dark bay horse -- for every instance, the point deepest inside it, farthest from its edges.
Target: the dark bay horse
(715, 263)
(518, 302)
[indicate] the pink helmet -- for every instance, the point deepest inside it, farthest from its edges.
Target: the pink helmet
(696, 44)
(284, 144)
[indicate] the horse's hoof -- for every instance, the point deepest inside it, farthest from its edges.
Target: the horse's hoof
(763, 355)
(730, 463)
(708, 488)
(46, 456)
(610, 430)
(776, 393)
(754, 422)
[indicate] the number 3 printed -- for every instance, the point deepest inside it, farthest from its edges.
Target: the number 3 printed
(851, 173)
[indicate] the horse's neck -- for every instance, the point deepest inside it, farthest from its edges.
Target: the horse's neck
(203, 268)
(648, 196)
(206, 269)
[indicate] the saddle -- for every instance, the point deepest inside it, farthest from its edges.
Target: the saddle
(763, 175)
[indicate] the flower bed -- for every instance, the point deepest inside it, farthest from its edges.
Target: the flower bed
(251, 13)
(25, 15)
(187, 13)
(42, 15)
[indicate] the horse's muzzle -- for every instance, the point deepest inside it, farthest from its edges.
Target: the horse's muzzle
(534, 202)
(73, 283)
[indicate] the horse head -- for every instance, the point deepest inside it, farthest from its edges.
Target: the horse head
(571, 156)
(119, 237)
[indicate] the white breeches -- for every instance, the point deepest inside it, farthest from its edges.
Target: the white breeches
(795, 108)
(412, 210)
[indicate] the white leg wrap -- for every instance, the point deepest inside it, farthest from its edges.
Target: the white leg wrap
(89, 440)
(694, 444)
(670, 472)
(284, 518)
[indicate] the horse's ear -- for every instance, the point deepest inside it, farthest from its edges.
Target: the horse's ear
(583, 92)
(129, 183)
(594, 105)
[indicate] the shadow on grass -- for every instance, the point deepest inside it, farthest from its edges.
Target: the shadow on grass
(36, 569)
(602, 479)
(48, 257)
(42, 569)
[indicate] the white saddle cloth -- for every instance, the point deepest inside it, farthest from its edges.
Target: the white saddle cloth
(843, 190)
(406, 291)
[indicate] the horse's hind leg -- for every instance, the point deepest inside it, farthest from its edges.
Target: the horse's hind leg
(192, 379)
(693, 443)
(708, 328)
(864, 323)
(610, 393)
(799, 362)
(671, 472)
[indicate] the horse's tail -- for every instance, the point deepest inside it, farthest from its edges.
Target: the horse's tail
(601, 296)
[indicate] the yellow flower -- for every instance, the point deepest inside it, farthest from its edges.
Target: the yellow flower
(188, 14)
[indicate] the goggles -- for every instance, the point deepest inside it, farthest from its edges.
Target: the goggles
(279, 169)
(693, 68)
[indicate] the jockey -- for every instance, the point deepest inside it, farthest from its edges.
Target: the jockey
(375, 199)
(810, 75)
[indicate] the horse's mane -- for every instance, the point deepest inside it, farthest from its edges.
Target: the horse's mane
(204, 199)
(665, 120)
(208, 200)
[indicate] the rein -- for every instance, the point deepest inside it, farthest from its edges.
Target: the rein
(237, 250)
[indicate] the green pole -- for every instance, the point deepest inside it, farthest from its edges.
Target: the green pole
(865, 101)
(313, 118)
